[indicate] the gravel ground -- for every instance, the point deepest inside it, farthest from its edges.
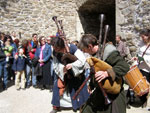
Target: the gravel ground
(35, 101)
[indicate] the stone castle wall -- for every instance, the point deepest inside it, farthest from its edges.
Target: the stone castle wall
(131, 17)
(35, 16)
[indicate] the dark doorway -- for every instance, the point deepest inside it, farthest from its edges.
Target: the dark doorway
(89, 15)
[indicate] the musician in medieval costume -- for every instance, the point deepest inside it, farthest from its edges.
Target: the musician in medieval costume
(66, 84)
(143, 59)
(143, 45)
(96, 102)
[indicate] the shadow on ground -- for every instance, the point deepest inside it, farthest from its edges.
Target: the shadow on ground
(10, 83)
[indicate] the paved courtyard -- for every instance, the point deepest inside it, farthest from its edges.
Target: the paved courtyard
(35, 101)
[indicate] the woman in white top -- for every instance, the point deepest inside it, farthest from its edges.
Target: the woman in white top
(143, 60)
(144, 54)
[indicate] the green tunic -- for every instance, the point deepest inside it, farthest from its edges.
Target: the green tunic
(95, 103)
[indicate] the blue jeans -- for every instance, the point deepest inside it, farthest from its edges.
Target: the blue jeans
(4, 72)
(28, 73)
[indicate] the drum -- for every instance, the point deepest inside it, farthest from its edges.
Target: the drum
(137, 81)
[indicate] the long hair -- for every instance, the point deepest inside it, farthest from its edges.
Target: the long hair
(24, 43)
(8, 37)
(41, 39)
(58, 42)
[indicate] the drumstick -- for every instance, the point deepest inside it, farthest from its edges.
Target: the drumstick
(134, 58)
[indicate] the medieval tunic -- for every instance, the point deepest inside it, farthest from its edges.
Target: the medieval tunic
(96, 102)
(77, 67)
(145, 66)
(143, 63)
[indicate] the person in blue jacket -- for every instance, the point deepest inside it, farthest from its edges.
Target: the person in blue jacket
(43, 54)
(19, 65)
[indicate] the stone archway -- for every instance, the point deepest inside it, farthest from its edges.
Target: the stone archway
(89, 11)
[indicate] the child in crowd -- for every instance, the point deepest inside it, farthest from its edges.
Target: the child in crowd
(19, 68)
(8, 49)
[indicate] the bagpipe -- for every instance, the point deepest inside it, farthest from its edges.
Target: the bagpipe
(66, 57)
(69, 79)
(107, 85)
